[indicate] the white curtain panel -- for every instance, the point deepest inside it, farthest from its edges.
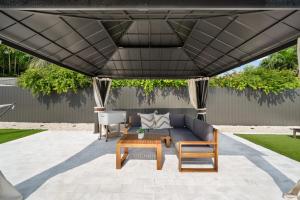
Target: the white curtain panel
(193, 92)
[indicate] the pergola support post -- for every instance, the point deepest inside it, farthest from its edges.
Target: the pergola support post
(198, 89)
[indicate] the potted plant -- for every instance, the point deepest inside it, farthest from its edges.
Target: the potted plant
(141, 133)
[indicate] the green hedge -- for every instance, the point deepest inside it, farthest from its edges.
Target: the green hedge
(263, 79)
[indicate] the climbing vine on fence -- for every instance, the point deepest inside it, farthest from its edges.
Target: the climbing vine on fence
(53, 79)
(148, 85)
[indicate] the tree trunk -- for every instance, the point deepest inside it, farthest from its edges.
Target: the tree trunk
(298, 56)
(9, 67)
(15, 64)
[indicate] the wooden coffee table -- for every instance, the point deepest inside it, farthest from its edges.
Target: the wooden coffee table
(132, 141)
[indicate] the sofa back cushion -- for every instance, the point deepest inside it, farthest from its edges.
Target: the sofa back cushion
(177, 120)
(135, 120)
(189, 122)
(202, 130)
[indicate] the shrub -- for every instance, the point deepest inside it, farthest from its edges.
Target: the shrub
(51, 78)
(260, 78)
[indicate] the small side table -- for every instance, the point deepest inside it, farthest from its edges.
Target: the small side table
(295, 130)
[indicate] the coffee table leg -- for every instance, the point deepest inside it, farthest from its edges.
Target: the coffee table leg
(159, 157)
(124, 155)
(168, 141)
(118, 157)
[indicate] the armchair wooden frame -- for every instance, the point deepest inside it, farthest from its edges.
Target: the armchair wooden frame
(182, 155)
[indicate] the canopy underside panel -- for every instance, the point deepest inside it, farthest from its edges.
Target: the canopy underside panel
(149, 44)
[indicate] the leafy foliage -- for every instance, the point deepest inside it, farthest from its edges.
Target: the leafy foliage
(284, 59)
(260, 78)
(148, 85)
(51, 78)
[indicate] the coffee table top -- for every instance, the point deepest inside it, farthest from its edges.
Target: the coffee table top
(133, 139)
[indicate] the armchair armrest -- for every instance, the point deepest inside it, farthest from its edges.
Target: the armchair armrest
(183, 143)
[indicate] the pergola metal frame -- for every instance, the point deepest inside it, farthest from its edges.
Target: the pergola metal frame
(157, 39)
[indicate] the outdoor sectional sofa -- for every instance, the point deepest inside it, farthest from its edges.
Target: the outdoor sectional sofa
(192, 138)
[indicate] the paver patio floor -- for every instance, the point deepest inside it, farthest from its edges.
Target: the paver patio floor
(75, 165)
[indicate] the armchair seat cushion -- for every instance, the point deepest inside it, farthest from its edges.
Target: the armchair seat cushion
(184, 134)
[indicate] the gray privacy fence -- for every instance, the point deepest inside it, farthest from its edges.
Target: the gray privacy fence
(225, 106)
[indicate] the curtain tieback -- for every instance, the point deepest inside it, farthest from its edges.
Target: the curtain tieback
(99, 109)
(201, 111)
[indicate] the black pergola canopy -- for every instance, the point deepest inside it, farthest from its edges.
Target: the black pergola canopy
(154, 43)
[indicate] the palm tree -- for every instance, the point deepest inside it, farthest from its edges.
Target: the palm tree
(36, 62)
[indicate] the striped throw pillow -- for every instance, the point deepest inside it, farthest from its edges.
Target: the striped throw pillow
(147, 120)
(162, 121)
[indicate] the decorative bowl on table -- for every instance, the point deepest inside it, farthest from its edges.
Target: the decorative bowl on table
(141, 133)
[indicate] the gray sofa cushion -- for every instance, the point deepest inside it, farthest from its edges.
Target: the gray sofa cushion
(184, 134)
(162, 132)
(135, 120)
(202, 130)
(177, 120)
(189, 122)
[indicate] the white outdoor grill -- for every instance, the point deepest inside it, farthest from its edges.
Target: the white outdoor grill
(107, 118)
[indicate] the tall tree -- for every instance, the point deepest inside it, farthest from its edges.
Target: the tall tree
(284, 59)
(298, 53)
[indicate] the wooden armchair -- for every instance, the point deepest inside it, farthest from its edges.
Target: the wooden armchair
(211, 153)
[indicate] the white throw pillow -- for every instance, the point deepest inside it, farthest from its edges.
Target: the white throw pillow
(147, 120)
(162, 121)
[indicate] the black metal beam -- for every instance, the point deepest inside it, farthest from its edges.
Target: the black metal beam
(147, 16)
(149, 4)
(154, 60)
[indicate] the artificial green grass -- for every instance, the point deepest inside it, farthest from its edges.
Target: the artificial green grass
(282, 144)
(13, 134)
